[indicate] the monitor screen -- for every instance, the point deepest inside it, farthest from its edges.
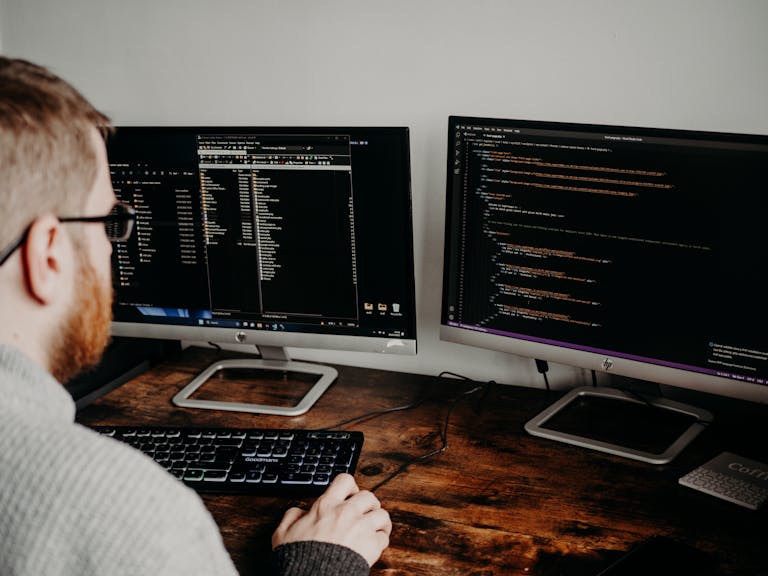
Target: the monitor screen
(271, 236)
(639, 252)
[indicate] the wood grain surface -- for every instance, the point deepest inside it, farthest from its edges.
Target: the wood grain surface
(497, 501)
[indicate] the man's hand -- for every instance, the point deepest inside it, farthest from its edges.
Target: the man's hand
(342, 515)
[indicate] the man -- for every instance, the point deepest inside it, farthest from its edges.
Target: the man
(72, 501)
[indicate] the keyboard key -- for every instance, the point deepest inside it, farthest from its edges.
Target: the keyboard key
(215, 475)
(193, 475)
(296, 478)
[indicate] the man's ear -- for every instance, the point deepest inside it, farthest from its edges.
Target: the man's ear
(45, 257)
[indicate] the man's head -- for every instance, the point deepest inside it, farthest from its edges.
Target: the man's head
(55, 289)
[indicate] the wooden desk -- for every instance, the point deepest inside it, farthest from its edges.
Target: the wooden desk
(498, 501)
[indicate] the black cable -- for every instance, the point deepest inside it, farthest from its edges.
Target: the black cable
(443, 432)
(543, 367)
(375, 413)
(594, 379)
(443, 437)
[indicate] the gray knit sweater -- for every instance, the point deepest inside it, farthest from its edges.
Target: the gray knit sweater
(75, 503)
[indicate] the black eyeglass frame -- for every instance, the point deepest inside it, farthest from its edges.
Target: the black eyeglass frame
(122, 214)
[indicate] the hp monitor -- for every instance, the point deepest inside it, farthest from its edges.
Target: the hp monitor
(274, 236)
(636, 252)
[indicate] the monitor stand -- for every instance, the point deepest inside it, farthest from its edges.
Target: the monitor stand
(622, 423)
(273, 358)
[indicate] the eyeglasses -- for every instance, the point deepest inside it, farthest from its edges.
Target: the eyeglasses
(118, 225)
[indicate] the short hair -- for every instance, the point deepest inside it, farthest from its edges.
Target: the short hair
(47, 159)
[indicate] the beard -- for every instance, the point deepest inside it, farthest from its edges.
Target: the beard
(86, 329)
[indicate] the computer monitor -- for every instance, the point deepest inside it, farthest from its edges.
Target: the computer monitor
(272, 236)
(633, 251)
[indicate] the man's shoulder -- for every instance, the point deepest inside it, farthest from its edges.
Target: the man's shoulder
(83, 466)
(70, 493)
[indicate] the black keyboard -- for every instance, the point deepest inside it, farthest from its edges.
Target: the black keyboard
(246, 461)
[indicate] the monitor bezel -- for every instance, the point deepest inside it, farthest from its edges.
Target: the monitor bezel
(607, 363)
(314, 340)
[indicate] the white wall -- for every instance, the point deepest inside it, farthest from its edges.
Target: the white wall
(696, 64)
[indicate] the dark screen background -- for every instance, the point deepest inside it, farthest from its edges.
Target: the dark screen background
(642, 243)
(167, 263)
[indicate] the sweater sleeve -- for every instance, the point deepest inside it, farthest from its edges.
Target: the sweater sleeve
(152, 522)
(317, 559)
(80, 504)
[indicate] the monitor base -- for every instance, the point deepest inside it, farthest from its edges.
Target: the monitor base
(272, 359)
(682, 423)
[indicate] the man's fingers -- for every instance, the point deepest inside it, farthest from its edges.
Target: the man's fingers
(289, 519)
(382, 540)
(364, 501)
(342, 487)
(381, 526)
(291, 515)
(379, 521)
